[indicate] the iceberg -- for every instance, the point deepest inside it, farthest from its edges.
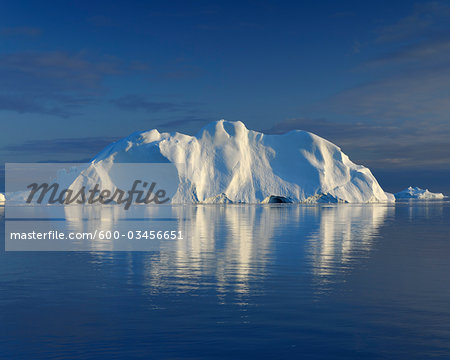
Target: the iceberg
(418, 194)
(227, 163)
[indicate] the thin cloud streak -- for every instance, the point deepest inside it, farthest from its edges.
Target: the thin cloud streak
(88, 145)
(55, 83)
(137, 102)
(20, 31)
(380, 145)
(424, 19)
(183, 121)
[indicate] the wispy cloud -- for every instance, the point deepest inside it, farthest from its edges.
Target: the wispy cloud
(32, 105)
(381, 144)
(86, 146)
(425, 18)
(424, 53)
(414, 95)
(135, 102)
(20, 31)
(52, 83)
(328, 129)
(58, 69)
(174, 123)
(412, 80)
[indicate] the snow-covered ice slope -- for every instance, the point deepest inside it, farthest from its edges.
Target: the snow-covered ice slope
(419, 194)
(225, 162)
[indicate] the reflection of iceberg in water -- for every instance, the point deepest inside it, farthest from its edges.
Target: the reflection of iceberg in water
(233, 242)
(424, 209)
(345, 233)
(100, 218)
(90, 219)
(232, 246)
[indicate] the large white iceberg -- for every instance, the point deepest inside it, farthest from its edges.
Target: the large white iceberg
(227, 163)
(419, 194)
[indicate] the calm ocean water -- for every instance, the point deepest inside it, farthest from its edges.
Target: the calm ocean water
(281, 281)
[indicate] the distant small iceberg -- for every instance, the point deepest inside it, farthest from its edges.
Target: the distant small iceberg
(418, 194)
(2, 198)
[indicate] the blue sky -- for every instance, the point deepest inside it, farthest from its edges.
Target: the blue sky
(371, 76)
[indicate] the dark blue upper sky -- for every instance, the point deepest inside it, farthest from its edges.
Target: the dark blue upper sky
(371, 76)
